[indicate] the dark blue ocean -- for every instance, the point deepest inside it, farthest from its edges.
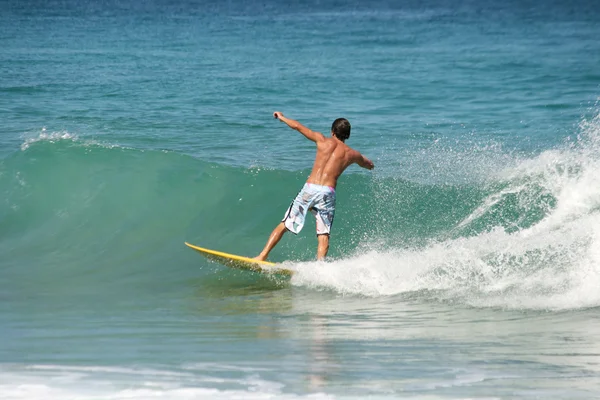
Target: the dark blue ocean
(465, 265)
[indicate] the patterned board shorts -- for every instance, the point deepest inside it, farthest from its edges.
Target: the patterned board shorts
(319, 200)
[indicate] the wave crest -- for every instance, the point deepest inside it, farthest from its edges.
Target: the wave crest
(532, 243)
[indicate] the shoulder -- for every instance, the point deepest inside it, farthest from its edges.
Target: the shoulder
(354, 154)
(320, 138)
(349, 149)
(323, 141)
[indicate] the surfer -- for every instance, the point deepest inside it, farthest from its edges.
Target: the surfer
(318, 194)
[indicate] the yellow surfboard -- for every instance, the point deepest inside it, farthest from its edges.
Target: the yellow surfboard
(239, 262)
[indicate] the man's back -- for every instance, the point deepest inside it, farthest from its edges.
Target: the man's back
(333, 155)
(332, 159)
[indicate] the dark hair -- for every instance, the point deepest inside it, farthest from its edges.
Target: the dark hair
(341, 129)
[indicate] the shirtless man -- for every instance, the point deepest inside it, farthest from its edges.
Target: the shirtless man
(318, 194)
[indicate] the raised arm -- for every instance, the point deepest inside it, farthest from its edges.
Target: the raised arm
(309, 134)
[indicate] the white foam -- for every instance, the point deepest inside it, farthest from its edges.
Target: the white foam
(552, 264)
(98, 382)
(48, 392)
(64, 136)
(52, 137)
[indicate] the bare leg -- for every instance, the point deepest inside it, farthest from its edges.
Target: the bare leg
(275, 237)
(323, 246)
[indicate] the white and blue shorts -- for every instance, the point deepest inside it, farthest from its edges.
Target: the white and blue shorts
(319, 200)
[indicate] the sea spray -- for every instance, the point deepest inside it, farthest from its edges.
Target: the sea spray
(531, 243)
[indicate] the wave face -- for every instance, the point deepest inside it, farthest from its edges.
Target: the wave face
(525, 236)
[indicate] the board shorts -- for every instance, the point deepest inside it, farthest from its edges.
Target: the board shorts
(319, 200)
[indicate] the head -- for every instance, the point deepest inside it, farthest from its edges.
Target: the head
(341, 129)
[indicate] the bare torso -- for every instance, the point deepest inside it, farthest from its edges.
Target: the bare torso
(333, 157)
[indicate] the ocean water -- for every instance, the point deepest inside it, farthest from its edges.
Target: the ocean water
(466, 265)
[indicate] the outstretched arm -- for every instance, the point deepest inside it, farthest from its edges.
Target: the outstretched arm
(309, 134)
(363, 161)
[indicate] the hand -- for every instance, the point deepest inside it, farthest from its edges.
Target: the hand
(277, 115)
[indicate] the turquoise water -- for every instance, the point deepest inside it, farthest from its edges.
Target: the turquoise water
(466, 265)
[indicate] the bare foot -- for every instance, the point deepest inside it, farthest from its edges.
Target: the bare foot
(259, 258)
